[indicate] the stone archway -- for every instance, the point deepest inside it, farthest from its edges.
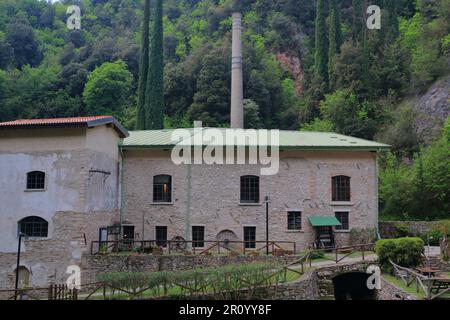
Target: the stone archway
(352, 286)
(24, 277)
(226, 237)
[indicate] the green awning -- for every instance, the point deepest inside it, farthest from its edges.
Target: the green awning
(324, 221)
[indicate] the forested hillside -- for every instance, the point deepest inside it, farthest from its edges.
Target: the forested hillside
(308, 65)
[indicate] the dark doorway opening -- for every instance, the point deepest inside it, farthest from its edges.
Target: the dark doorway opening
(324, 237)
(353, 286)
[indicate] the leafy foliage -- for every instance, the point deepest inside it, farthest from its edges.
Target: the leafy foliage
(406, 252)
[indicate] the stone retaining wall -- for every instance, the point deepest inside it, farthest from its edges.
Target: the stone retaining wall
(388, 228)
(92, 265)
(390, 291)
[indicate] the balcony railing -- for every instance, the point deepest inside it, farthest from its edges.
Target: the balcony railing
(203, 247)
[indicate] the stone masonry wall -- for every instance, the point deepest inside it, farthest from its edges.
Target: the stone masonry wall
(209, 195)
(390, 291)
(417, 228)
(92, 265)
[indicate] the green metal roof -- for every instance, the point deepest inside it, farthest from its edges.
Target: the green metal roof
(324, 221)
(158, 139)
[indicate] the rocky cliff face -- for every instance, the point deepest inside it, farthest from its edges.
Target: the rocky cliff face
(432, 109)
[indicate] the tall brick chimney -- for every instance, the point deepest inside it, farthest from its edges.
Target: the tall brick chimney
(237, 79)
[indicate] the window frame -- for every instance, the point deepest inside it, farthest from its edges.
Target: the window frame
(338, 216)
(296, 222)
(33, 180)
(249, 244)
(248, 196)
(198, 243)
(38, 224)
(341, 188)
(164, 196)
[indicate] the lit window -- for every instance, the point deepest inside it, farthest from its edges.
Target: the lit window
(341, 188)
(33, 227)
(249, 189)
(35, 180)
(162, 188)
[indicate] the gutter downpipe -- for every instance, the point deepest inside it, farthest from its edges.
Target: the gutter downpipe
(122, 169)
(377, 186)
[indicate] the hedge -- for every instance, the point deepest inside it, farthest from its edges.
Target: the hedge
(406, 252)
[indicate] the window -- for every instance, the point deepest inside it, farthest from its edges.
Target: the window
(198, 237)
(161, 236)
(294, 220)
(249, 189)
(341, 188)
(343, 219)
(33, 227)
(35, 180)
(250, 237)
(162, 188)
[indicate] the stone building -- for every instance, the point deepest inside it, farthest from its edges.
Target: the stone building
(65, 181)
(59, 185)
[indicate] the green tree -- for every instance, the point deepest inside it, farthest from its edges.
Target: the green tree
(108, 89)
(252, 119)
(321, 54)
(143, 68)
(26, 49)
(318, 125)
(4, 93)
(347, 69)
(334, 35)
(154, 95)
(350, 116)
(358, 20)
(212, 100)
(6, 52)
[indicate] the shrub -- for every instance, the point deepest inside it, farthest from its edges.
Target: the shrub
(132, 283)
(317, 255)
(403, 230)
(406, 252)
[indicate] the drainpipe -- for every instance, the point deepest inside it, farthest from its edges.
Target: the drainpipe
(188, 204)
(122, 169)
(377, 196)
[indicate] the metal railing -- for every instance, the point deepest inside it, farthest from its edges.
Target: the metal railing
(193, 247)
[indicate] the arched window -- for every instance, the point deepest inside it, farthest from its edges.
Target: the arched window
(249, 189)
(35, 180)
(33, 227)
(162, 188)
(341, 188)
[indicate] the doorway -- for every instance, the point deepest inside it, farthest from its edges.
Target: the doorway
(324, 237)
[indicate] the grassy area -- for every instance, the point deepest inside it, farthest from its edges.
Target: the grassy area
(411, 289)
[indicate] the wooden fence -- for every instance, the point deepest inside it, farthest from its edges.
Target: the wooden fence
(432, 287)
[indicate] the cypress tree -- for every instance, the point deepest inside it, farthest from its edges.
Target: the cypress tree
(154, 94)
(143, 68)
(358, 20)
(334, 36)
(321, 56)
(392, 19)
